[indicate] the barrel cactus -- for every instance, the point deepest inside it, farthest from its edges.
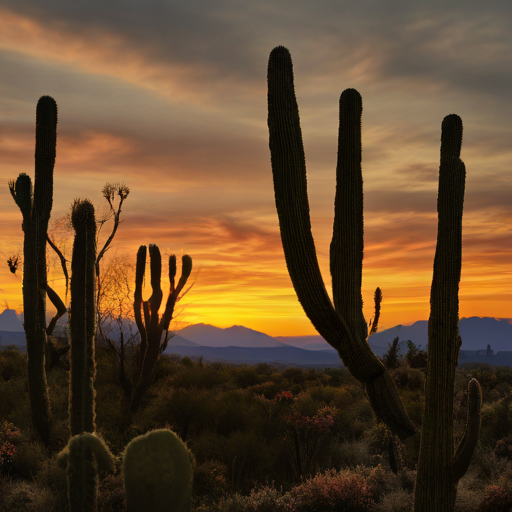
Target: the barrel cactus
(158, 471)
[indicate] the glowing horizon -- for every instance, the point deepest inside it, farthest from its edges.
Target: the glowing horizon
(172, 102)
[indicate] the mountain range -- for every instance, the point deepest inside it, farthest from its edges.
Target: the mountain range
(239, 344)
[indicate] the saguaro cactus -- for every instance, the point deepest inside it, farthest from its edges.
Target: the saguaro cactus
(158, 471)
(82, 319)
(152, 328)
(35, 207)
(343, 325)
(85, 453)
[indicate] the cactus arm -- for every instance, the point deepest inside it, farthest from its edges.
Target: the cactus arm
(84, 456)
(140, 270)
(377, 298)
(155, 300)
(346, 251)
(468, 442)
(186, 270)
(82, 319)
(290, 186)
(435, 482)
(46, 144)
(61, 308)
(21, 191)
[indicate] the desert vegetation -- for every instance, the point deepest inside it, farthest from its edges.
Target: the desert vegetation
(263, 439)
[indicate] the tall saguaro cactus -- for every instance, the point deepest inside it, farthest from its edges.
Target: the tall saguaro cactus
(86, 453)
(343, 325)
(82, 319)
(152, 327)
(35, 207)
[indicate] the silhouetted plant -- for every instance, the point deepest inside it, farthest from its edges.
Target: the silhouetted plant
(341, 322)
(149, 323)
(35, 205)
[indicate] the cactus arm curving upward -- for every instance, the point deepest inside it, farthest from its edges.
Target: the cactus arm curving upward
(85, 456)
(140, 270)
(343, 325)
(468, 442)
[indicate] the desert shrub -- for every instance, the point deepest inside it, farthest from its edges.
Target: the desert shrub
(268, 389)
(349, 454)
(236, 410)
(111, 494)
(245, 376)
(323, 394)
(28, 497)
(503, 447)
(248, 459)
(208, 445)
(13, 392)
(295, 375)
(397, 501)
(53, 477)
(9, 438)
(332, 491)
(347, 426)
(339, 377)
(183, 409)
(469, 493)
(410, 378)
(496, 421)
(264, 369)
(29, 458)
(263, 499)
(210, 482)
(488, 465)
(13, 364)
(497, 498)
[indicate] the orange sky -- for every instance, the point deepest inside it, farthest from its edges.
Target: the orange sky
(171, 100)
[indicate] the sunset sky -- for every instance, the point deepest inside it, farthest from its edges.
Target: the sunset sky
(171, 98)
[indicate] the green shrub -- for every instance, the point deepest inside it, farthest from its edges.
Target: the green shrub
(210, 482)
(13, 364)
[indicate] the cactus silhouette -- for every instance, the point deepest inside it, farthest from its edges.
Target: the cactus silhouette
(342, 325)
(82, 319)
(36, 206)
(85, 456)
(152, 327)
(85, 453)
(158, 471)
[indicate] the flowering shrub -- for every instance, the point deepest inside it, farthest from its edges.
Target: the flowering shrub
(277, 404)
(8, 433)
(304, 435)
(497, 498)
(331, 492)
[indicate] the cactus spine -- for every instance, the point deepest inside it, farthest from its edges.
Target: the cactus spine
(343, 326)
(36, 208)
(152, 327)
(85, 453)
(158, 471)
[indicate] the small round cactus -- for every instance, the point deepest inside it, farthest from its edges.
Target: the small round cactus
(158, 470)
